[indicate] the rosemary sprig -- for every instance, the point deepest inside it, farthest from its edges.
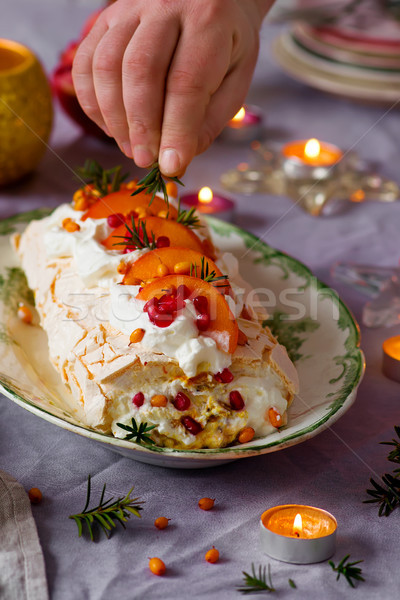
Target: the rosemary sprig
(394, 455)
(292, 584)
(257, 583)
(388, 498)
(349, 570)
(154, 182)
(206, 274)
(135, 237)
(107, 513)
(188, 218)
(104, 180)
(138, 434)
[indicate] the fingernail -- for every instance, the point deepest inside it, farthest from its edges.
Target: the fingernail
(169, 162)
(142, 156)
(126, 148)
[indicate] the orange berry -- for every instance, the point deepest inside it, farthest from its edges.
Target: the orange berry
(275, 417)
(131, 184)
(122, 268)
(212, 556)
(136, 336)
(162, 270)
(206, 503)
(24, 314)
(246, 435)
(159, 401)
(182, 267)
(162, 214)
(35, 495)
(172, 189)
(142, 212)
(70, 225)
(161, 522)
(157, 566)
(242, 338)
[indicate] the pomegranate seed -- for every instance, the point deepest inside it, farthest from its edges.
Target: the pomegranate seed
(191, 425)
(152, 302)
(201, 304)
(183, 291)
(153, 312)
(162, 241)
(202, 322)
(138, 399)
(224, 376)
(236, 400)
(181, 401)
(115, 220)
(162, 320)
(167, 304)
(133, 214)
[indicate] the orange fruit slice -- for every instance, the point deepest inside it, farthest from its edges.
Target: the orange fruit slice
(124, 203)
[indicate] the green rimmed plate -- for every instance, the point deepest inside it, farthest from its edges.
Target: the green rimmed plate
(318, 330)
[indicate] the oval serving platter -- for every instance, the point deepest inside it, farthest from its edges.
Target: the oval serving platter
(316, 327)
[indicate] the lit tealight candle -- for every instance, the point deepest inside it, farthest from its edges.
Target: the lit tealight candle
(298, 534)
(208, 203)
(245, 126)
(310, 158)
(391, 358)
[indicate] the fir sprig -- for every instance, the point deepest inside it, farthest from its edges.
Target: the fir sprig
(136, 236)
(388, 498)
(153, 182)
(348, 570)
(257, 583)
(105, 181)
(205, 274)
(188, 218)
(108, 513)
(138, 434)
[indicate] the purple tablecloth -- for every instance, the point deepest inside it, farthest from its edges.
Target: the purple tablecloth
(331, 470)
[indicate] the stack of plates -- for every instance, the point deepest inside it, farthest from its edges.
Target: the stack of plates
(355, 58)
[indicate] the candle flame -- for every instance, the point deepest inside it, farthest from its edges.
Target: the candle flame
(312, 149)
(205, 195)
(298, 525)
(239, 115)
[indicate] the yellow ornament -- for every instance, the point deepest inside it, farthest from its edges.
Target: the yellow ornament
(26, 111)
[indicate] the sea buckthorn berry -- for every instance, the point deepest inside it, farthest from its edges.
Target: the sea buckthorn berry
(172, 189)
(138, 399)
(35, 495)
(236, 401)
(206, 503)
(162, 214)
(157, 566)
(182, 267)
(162, 241)
(242, 338)
(181, 401)
(159, 401)
(70, 225)
(246, 435)
(136, 336)
(191, 425)
(212, 556)
(131, 184)
(275, 417)
(24, 314)
(80, 203)
(201, 304)
(202, 322)
(162, 270)
(224, 376)
(182, 291)
(115, 220)
(122, 268)
(161, 522)
(142, 212)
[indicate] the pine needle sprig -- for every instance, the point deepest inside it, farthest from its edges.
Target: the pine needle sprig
(257, 583)
(105, 181)
(206, 275)
(394, 455)
(138, 434)
(137, 236)
(188, 218)
(108, 513)
(388, 498)
(349, 570)
(153, 182)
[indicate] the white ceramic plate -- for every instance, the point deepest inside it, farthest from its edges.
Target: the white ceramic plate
(321, 335)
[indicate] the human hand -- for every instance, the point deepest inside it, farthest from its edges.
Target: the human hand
(164, 76)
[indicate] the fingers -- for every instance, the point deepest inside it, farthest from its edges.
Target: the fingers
(198, 68)
(144, 71)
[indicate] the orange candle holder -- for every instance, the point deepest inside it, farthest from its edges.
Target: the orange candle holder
(310, 159)
(391, 358)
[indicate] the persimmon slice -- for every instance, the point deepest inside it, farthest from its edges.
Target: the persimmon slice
(178, 234)
(124, 203)
(223, 327)
(148, 266)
